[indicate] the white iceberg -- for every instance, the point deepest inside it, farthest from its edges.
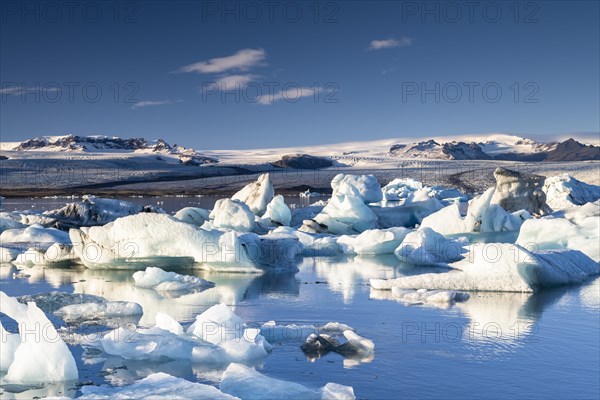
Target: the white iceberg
(400, 188)
(8, 222)
(34, 234)
(257, 194)
(564, 191)
(42, 356)
(278, 212)
(503, 267)
(156, 386)
(232, 214)
(218, 336)
(374, 241)
(482, 216)
(429, 296)
(246, 383)
(8, 254)
(427, 247)
(578, 232)
(158, 279)
(345, 214)
(193, 215)
(94, 210)
(99, 310)
(364, 186)
(146, 237)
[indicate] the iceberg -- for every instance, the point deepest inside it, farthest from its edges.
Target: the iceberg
(8, 222)
(376, 241)
(344, 214)
(482, 216)
(93, 211)
(146, 237)
(519, 191)
(563, 191)
(156, 386)
(193, 215)
(366, 187)
(278, 212)
(34, 234)
(158, 279)
(427, 247)
(95, 311)
(502, 267)
(580, 232)
(257, 195)
(41, 356)
(218, 336)
(244, 382)
(400, 188)
(232, 214)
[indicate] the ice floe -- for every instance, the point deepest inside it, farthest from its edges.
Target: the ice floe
(564, 191)
(193, 215)
(232, 214)
(579, 230)
(374, 241)
(400, 188)
(41, 356)
(503, 267)
(156, 386)
(427, 247)
(366, 187)
(158, 279)
(218, 336)
(248, 384)
(278, 212)
(343, 214)
(257, 195)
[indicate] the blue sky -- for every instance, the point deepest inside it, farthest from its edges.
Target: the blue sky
(250, 74)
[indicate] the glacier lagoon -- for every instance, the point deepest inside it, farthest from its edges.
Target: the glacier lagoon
(534, 345)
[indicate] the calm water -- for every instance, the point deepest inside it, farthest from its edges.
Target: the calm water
(495, 345)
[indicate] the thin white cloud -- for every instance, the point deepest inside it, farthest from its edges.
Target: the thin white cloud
(241, 61)
(290, 95)
(234, 82)
(149, 103)
(390, 43)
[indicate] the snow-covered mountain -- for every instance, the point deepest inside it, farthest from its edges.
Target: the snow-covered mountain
(105, 144)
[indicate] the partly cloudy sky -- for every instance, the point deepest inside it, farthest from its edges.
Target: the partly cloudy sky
(361, 70)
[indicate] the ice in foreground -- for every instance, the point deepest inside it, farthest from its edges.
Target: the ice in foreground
(156, 386)
(158, 279)
(41, 355)
(564, 191)
(257, 194)
(244, 382)
(503, 267)
(427, 247)
(218, 336)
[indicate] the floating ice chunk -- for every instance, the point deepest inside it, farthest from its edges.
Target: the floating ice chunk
(218, 336)
(564, 191)
(232, 214)
(519, 191)
(244, 382)
(503, 267)
(364, 186)
(296, 332)
(34, 234)
(8, 254)
(421, 198)
(156, 386)
(257, 194)
(299, 215)
(216, 323)
(168, 323)
(55, 254)
(379, 241)
(193, 215)
(10, 343)
(482, 216)
(140, 237)
(158, 279)
(429, 296)
(427, 247)
(41, 356)
(400, 188)
(94, 210)
(103, 310)
(278, 212)
(581, 233)
(8, 222)
(312, 244)
(346, 214)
